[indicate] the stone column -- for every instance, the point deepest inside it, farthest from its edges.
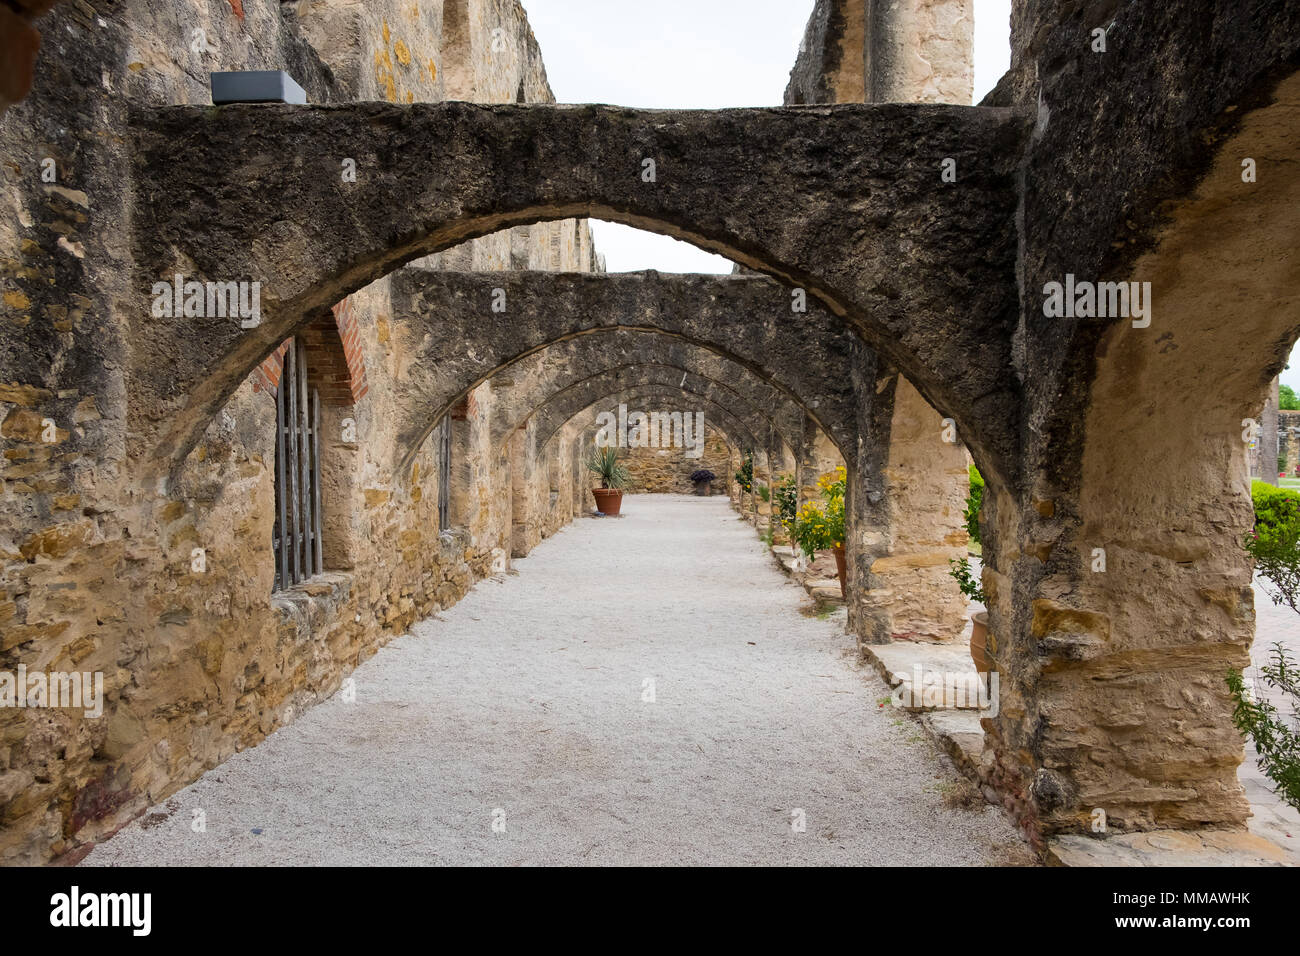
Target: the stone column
(866, 504)
(919, 51)
(927, 480)
(1263, 462)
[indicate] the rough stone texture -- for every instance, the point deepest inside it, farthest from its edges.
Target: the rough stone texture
(1165, 848)
(96, 567)
(1122, 165)
(455, 339)
(1125, 706)
(926, 273)
(669, 470)
(867, 51)
(928, 483)
(1288, 440)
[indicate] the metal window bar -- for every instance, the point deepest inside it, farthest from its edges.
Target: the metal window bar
(444, 474)
(296, 538)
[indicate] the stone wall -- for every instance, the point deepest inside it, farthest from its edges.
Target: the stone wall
(203, 658)
(1288, 440)
(668, 470)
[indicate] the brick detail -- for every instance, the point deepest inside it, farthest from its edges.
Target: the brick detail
(334, 360)
(465, 409)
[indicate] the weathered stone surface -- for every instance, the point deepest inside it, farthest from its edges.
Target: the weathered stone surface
(1165, 848)
(725, 180)
(593, 395)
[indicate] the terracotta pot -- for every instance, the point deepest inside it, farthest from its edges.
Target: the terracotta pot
(840, 569)
(704, 489)
(979, 632)
(608, 500)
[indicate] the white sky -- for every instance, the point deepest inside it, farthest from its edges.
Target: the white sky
(695, 54)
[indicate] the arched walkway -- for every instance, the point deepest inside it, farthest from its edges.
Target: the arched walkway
(925, 274)
(720, 729)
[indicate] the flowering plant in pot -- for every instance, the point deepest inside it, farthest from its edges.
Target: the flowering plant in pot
(613, 475)
(702, 478)
(818, 527)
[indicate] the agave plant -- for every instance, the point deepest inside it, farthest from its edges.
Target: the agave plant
(604, 462)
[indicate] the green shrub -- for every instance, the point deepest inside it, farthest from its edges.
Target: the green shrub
(1275, 507)
(974, 501)
(1276, 740)
(745, 477)
(787, 500)
(605, 463)
(1274, 543)
(962, 573)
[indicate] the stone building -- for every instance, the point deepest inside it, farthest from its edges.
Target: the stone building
(225, 508)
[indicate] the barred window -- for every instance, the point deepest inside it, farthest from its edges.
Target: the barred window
(444, 474)
(296, 538)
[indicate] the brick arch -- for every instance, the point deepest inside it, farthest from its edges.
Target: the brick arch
(335, 359)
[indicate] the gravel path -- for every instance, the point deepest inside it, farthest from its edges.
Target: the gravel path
(524, 703)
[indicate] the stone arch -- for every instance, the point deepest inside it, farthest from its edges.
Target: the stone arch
(737, 430)
(1160, 503)
(561, 407)
(455, 340)
(459, 171)
(524, 386)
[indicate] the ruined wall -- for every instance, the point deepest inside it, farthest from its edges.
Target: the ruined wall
(1288, 440)
(201, 658)
(668, 470)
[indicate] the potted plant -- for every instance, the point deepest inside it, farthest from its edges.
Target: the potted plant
(613, 477)
(819, 527)
(702, 478)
